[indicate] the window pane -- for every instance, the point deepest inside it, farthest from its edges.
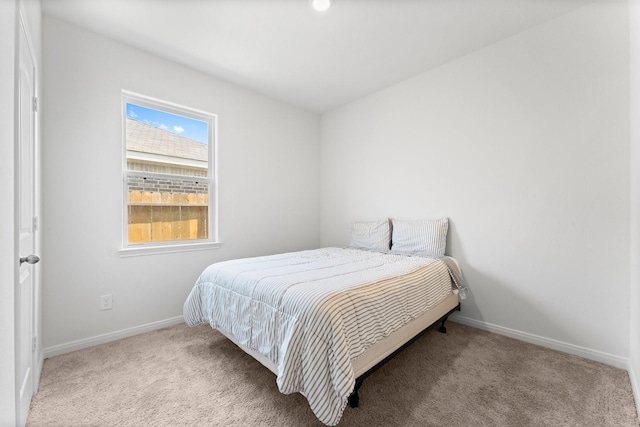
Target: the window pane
(162, 142)
(166, 209)
(168, 172)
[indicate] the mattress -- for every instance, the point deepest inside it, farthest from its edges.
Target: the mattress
(312, 316)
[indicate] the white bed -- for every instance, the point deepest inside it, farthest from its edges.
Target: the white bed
(321, 319)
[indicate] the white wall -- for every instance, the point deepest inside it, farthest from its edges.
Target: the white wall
(268, 175)
(634, 333)
(524, 145)
(7, 237)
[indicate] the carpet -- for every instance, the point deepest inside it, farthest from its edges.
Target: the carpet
(181, 376)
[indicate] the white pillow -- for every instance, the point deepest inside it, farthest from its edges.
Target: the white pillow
(374, 235)
(429, 235)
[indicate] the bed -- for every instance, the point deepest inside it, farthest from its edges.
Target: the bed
(323, 319)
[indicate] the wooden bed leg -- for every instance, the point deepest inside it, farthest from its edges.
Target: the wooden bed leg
(354, 398)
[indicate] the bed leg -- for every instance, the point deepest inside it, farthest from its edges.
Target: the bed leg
(354, 398)
(442, 328)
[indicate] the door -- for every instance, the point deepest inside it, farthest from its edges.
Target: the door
(25, 319)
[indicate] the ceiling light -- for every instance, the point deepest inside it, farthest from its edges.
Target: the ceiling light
(320, 5)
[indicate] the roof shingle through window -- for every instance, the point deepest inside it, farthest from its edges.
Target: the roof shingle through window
(145, 138)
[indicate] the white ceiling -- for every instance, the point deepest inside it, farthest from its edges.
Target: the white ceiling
(317, 61)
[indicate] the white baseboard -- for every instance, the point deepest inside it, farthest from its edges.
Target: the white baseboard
(587, 353)
(111, 336)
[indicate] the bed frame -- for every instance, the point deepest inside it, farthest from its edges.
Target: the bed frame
(382, 351)
(354, 398)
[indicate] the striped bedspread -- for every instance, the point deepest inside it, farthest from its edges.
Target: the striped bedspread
(312, 312)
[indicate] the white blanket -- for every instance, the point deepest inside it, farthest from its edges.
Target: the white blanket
(312, 312)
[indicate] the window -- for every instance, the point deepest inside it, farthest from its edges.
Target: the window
(169, 176)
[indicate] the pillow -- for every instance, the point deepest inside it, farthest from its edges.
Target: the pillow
(429, 235)
(374, 235)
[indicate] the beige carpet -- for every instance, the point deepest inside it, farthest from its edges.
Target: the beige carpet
(182, 376)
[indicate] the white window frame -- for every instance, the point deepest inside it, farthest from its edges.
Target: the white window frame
(148, 248)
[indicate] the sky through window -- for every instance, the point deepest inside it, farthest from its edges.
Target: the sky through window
(183, 126)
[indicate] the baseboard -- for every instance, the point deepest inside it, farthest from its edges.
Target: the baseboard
(111, 336)
(587, 353)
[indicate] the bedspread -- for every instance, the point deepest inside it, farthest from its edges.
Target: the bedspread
(312, 312)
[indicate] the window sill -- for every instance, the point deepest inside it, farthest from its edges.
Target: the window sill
(132, 251)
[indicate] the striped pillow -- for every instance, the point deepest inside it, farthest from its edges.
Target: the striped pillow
(429, 235)
(374, 235)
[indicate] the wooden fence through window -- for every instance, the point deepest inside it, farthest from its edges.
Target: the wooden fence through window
(157, 217)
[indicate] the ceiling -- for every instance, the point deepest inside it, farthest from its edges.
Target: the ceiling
(313, 60)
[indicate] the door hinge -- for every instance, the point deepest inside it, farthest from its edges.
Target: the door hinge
(35, 223)
(35, 343)
(36, 104)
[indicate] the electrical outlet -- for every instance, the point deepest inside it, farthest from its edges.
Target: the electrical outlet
(106, 302)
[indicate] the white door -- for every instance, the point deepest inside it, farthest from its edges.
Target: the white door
(25, 343)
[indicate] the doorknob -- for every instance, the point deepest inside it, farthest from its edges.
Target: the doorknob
(31, 259)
